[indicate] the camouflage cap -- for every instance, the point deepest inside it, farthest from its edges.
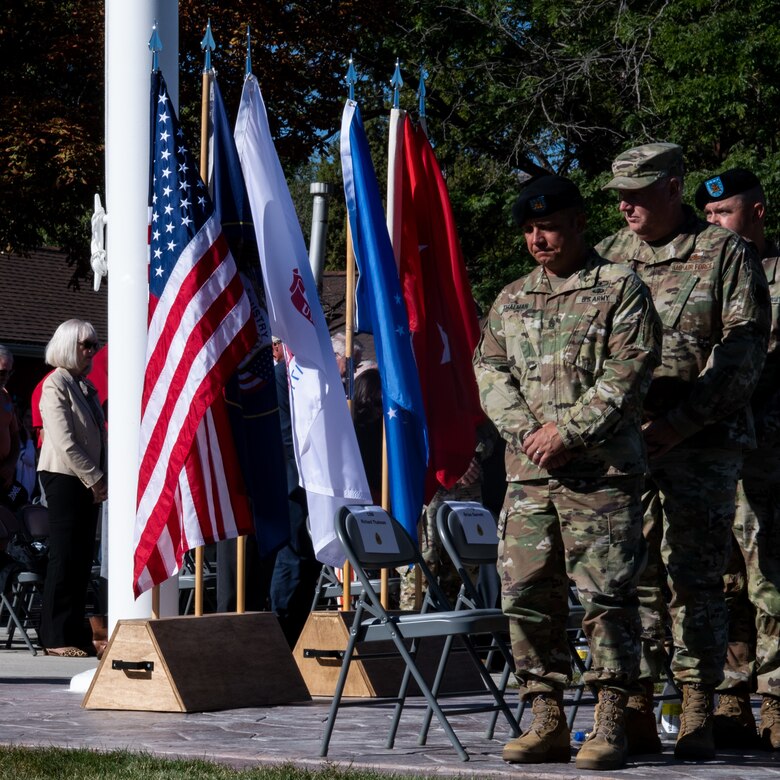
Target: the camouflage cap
(643, 165)
(725, 185)
(544, 196)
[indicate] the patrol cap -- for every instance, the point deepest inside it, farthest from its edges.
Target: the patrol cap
(643, 165)
(732, 182)
(545, 196)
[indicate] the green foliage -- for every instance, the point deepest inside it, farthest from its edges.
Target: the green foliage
(51, 115)
(518, 86)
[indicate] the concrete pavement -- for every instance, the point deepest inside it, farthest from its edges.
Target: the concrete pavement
(37, 708)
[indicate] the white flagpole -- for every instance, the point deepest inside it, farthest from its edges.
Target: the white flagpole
(127, 69)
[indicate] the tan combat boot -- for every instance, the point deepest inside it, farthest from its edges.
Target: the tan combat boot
(695, 741)
(641, 725)
(606, 747)
(733, 724)
(547, 740)
(769, 728)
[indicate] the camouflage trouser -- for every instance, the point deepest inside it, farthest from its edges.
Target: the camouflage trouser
(653, 610)
(433, 552)
(689, 511)
(589, 531)
(752, 580)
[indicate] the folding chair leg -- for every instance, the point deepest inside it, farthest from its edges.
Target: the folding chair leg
(432, 702)
(337, 694)
(426, 724)
(15, 623)
(498, 694)
(502, 683)
(402, 693)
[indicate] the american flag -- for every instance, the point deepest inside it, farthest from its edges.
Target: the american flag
(200, 328)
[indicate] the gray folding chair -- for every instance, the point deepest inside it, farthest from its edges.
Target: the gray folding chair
(469, 535)
(330, 589)
(372, 539)
(22, 599)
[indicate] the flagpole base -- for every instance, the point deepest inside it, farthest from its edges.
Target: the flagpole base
(196, 664)
(326, 634)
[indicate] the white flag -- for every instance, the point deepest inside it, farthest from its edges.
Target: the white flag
(326, 449)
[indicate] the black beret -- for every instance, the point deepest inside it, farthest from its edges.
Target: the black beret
(544, 196)
(733, 182)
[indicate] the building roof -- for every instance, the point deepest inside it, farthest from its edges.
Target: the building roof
(37, 294)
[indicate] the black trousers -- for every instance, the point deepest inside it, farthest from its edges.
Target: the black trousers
(72, 528)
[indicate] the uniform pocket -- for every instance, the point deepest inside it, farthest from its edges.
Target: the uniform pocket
(522, 335)
(627, 549)
(674, 296)
(585, 348)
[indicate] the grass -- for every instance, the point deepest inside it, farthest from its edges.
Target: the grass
(20, 763)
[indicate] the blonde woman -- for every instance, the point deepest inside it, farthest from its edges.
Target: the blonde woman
(73, 477)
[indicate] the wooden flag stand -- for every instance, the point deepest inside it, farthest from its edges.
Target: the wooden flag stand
(196, 664)
(321, 645)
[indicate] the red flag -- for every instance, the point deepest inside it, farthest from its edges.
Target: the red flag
(200, 328)
(439, 302)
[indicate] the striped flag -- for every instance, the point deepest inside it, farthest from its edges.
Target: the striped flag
(200, 328)
(326, 449)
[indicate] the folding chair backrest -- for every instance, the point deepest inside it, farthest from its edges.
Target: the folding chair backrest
(36, 520)
(468, 531)
(373, 539)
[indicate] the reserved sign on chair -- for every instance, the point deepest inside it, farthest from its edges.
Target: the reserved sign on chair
(479, 526)
(376, 533)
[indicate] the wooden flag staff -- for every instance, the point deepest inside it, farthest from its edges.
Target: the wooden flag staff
(208, 45)
(349, 334)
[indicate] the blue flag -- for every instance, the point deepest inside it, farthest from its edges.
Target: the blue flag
(251, 392)
(383, 313)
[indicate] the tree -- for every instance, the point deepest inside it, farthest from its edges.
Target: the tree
(51, 120)
(515, 87)
(52, 104)
(565, 86)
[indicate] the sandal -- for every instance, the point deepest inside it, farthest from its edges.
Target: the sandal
(65, 652)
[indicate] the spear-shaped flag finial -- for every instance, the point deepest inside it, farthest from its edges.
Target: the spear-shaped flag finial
(208, 46)
(421, 90)
(351, 78)
(248, 71)
(396, 82)
(155, 46)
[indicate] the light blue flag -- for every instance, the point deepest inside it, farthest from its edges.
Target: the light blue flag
(383, 313)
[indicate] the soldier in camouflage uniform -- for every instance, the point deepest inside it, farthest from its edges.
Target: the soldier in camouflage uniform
(711, 295)
(735, 200)
(563, 364)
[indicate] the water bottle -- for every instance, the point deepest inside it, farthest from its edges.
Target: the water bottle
(670, 713)
(579, 737)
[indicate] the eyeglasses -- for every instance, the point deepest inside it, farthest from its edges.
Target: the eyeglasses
(93, 345)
